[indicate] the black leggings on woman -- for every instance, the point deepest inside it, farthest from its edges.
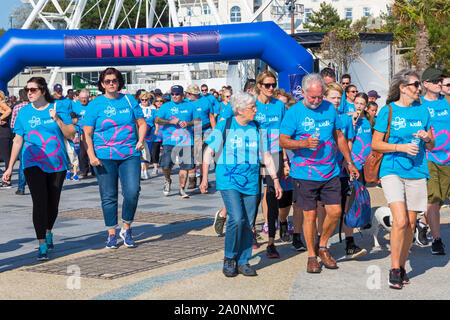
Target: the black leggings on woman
(45, 189)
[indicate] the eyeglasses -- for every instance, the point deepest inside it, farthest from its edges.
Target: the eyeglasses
(32, 90)
(435, 81)
(415, 84)
(144, 99)
(159, 101)
(268, 85)
(109, 81)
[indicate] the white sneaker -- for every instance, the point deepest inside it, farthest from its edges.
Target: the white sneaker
(183, 194)
(154, 171)
(146, 175)
(166, 189)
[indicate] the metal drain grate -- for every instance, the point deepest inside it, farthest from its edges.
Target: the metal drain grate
(140, 216)
(152, 254)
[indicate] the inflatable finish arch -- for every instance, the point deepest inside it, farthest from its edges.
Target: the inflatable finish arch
(262, 40)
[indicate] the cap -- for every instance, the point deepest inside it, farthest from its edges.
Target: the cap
(158, 91)
(177, 89)
(373, 94)
(57, 87)
(193, 89)
(431, 74)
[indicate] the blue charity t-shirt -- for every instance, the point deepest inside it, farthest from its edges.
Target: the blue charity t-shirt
(43, 139)
(225, 111)
(213, 101)
(174, 135)
(80, 110)
(301, 122)
(203, 108)
(346, 125)
(115, 135)
(440, 126)
(405, 121)
(149, 116)
(238, 165)
(269, 116)
(362, 145)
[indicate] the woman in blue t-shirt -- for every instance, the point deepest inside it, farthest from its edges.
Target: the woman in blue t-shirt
(114, 146)
(40, 129)
(403, 170)
(237, 178)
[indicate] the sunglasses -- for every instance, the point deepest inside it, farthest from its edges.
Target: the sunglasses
(447, 85)
(353, 91)
(144, 99)
(204, 90)
(159, 101)
(435, 81)
(226, 96)
(32, 90)
(345, 83)
(109, 81)
(268, 85)
(415, 84)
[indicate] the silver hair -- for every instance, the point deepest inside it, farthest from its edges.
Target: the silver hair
(88, 93)
(401, 77)
(311, 78)
(241, 100)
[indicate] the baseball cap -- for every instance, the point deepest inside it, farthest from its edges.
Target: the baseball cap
(193, 89)
(158, 91)
(177, 89)
(57, 87)
(431, 74)
(373, 94)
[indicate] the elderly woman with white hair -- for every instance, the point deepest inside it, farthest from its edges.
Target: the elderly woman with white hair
(238, 147)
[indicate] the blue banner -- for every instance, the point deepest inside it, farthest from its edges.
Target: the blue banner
(295, 86)
(141, 45)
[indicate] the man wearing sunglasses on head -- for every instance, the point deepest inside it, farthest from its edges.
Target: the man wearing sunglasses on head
(438, 186)
(178, 117)
(213, 100)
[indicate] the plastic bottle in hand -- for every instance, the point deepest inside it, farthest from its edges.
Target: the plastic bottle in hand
(415, 141)
(316, 135)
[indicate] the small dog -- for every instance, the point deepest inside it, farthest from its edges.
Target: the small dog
(381, 218)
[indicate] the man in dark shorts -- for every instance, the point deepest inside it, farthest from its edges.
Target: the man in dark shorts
(311, 128)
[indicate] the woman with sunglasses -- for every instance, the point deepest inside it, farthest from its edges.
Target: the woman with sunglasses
(404, 169)
(115, 129)
(149, 115)
(237, 180)
(225, 110)
(348, 105)
(157, 137)
(269, 116)
(40, 128)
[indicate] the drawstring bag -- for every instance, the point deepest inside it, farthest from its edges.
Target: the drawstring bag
(359, 214)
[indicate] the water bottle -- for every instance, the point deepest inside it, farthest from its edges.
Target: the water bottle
(316, 134)
(415, 141)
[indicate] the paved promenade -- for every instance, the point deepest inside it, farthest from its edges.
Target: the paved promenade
(180, 257)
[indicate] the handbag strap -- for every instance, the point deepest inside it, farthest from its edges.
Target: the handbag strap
(386, 136)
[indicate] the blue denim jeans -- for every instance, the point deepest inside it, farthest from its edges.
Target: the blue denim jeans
(241, 210)
(108, 175)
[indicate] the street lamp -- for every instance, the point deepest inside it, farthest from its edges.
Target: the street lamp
(291, 8)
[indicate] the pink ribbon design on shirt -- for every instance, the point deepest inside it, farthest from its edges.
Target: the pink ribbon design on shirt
(312, 162)
(274, 142)
(441, 147)
(41, 156)
(180, 135)
(360, 156)
(111, 143)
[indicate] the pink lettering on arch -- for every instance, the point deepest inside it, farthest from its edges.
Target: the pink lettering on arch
(183, 43)
(101, 43)
(159, 41)
(135, 46)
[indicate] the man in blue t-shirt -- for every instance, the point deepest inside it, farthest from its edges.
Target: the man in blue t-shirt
(311, 128)
(214, 102)
(80, 108)
(178, 118)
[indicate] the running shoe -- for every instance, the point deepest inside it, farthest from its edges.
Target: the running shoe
(111, 243)
(128, 241)
(68, 175)
(297, 242)
(271, 252)
(353, 251)
(437, 247)
(183, 194)
(166, 189)
(43, 252)
(75, 177)
(4, 185)
(395, 279)
(49, 240)
(246, 270)
(421, 234)
(404, 276)
(265, 228)
(219, 222)
(154, 171)
(284, 233)
(20, 192)
(255, 241)
(229, 267)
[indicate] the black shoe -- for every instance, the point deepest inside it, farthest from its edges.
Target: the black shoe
(229, 267)
(437, 247)
(353, 251)
(421, 234)
(255, 241)
(20, 192)
(284, 232)
(297, 242)
(404, 276)
(246, 270)
(395, 279)
(271, 252)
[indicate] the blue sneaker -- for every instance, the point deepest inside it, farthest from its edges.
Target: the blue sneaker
(42, 253)
(68, 175)
(75, 177)
(111, 242)
(128, 241)
(49, 240)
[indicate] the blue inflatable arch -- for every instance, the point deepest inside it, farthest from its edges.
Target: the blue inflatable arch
(262, 40)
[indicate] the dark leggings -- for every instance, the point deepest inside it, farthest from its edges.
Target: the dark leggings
(154, 154)
(5, 150)
(45, 189)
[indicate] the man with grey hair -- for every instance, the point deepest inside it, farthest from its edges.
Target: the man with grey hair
(311, 128)
(80, 107)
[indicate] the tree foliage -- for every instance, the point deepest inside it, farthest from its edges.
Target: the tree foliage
(325, 19)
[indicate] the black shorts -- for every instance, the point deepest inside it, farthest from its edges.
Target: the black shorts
(308, 192)
(286, 199)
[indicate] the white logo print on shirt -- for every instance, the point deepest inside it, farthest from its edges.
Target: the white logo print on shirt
(110, 111)
(399, 123)
(34, 122)
(308, 124)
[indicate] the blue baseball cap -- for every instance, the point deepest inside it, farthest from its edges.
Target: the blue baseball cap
(57, 88)
(177, 89)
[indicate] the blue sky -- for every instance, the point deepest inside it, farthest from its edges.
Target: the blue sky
(7, 7)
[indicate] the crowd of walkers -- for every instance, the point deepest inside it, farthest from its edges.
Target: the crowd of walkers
(266, 149)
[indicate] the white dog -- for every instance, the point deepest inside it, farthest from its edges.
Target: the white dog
(381, 218)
